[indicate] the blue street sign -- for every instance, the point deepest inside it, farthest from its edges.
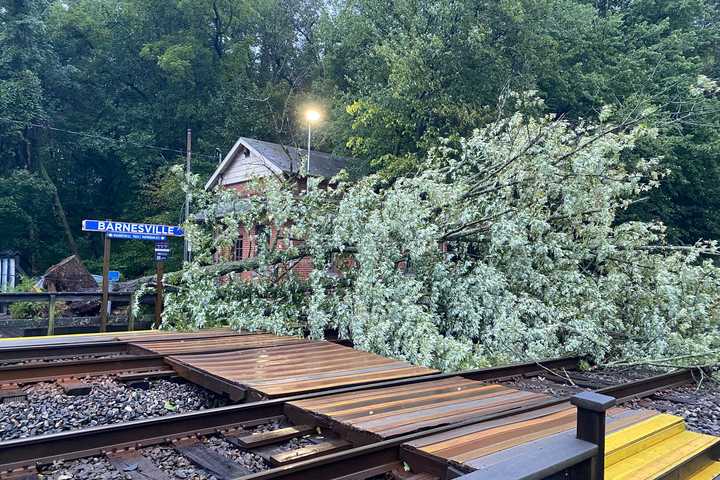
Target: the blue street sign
(132, 231)
(114, 276)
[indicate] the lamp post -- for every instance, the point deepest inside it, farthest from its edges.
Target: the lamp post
(311, 116)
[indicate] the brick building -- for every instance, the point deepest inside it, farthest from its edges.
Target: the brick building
(249, 159)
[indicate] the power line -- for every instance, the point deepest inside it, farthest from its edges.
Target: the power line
(103, 137)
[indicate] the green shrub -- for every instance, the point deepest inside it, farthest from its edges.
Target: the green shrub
(27, 310)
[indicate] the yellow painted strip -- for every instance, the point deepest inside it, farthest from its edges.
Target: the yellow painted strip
(709, 472)
(636, 438)
(661, 458)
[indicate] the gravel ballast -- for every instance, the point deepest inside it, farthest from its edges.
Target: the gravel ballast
(699, 406)
(48, 410)
(167, 459)
(697, 403)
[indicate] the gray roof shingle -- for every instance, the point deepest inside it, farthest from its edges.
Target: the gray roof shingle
(289, 159)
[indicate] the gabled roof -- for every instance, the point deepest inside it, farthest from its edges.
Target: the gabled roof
(285, 158)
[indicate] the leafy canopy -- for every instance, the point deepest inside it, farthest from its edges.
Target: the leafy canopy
(507, 245)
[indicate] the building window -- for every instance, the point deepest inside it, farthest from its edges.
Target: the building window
(237, 253)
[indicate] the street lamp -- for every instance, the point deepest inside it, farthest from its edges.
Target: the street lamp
(311, 116)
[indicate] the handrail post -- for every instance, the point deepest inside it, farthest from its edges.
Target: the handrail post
(51, 315)
(591, 408)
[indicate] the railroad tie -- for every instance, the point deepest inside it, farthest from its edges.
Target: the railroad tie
(311, 451)
(27, 473)
(273, 436)
(75, 388)
(144, 376)
(220, 466)
(136, 466)
(11, 392)
(398, 474)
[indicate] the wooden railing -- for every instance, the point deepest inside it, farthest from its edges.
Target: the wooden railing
(51, 298)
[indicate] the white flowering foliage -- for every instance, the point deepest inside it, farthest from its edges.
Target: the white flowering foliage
(506, 246)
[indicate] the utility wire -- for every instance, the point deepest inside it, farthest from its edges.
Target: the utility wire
(102, 137)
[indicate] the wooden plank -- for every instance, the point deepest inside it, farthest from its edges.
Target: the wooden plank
(509, 436)
(391, 411)
(402, 416)
(136, 466)
(315, 362)
(636, 438)
(217, 344)
(427, 442)
(76, 388)
(403, 475)
(12, 394)
(332, 403)
(311, 451)
(282, 370)
(705, 470)
(220, 466)
(662, 458)
(275, 392)
(273, 436)
(419, 397)
(509, 440)
(371, 472)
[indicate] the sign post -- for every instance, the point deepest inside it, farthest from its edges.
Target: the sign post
(105, 285)
(133, 231)
(159, 300)
(162, 251)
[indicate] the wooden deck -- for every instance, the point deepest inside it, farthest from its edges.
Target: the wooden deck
(213, 344)
(292, 369)
(471, 448)
(640, 445)
(388, 412)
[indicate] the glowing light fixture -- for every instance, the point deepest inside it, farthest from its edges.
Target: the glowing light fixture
(312, 116)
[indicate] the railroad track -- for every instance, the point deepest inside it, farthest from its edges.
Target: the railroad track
(331, 448)
(312, 409)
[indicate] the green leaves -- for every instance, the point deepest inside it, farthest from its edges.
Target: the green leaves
(507, 245)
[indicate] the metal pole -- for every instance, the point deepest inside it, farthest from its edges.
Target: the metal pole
(308, 162)
(105, 285)
(159, 267)
(188, 156)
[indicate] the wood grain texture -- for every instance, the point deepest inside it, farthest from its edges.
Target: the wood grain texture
(215, 344)
(468, 446)
(391, 411)
(299, 367)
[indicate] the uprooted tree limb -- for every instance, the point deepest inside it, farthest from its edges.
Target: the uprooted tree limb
(525, 266)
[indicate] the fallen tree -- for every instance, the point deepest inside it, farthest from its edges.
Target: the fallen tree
(507, 245)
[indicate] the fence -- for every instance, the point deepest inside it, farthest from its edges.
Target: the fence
(51, 298)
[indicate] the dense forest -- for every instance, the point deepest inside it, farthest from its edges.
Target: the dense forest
(96, 96)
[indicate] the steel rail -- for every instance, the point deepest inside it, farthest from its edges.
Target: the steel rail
(37, 372)
(44, 449)
(101, 345)
(38, 352)
(350, 464)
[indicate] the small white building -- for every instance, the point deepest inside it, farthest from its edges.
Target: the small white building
(9, 271)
